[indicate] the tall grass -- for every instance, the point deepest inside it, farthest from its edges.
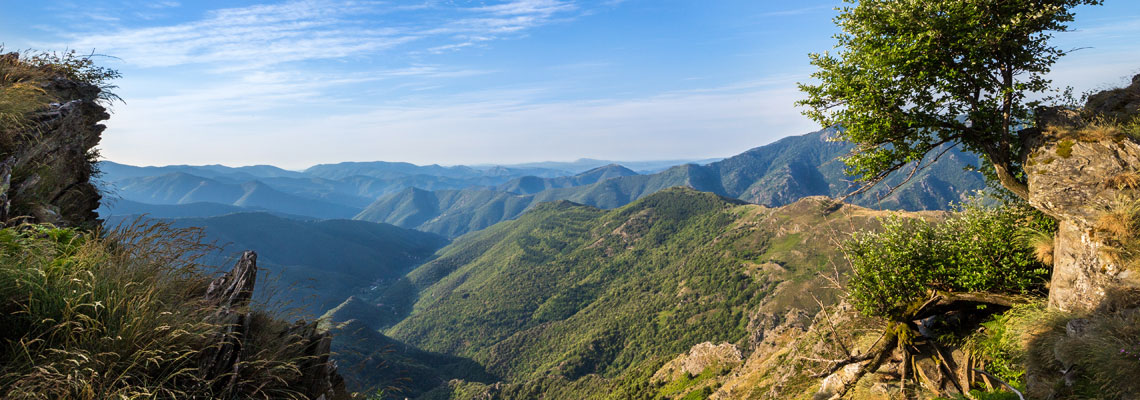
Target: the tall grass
(119, 315)
(1099, 350)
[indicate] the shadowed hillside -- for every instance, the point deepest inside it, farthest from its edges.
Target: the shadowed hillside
(315, 265)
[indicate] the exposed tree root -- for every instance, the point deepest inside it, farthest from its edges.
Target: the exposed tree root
(898, 334)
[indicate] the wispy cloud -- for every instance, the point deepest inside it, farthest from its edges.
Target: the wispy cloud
(495, 126)
(798, 11)
(264, 35)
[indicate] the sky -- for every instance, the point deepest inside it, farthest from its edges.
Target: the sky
(297, 83)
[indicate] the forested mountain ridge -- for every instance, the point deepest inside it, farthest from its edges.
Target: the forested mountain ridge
(322, 191)
(570, 301)
(776, 174)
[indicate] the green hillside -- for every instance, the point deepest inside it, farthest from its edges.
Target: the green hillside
(776, 174)
(577, 302)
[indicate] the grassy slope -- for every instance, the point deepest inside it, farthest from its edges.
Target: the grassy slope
(576, 302)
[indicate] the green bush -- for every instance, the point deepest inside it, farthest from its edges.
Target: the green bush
(978, 248)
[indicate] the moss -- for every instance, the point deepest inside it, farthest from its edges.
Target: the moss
(1065, 148)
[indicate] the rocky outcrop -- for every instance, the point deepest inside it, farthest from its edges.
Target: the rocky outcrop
(229, 296)
(1117, 104)
(1071, 175)
(700, 357)
(46, 167)
(47, 154)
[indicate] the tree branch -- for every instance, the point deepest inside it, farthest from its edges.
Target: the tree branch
(941, 302)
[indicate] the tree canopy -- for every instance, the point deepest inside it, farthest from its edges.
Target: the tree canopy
(911, 78)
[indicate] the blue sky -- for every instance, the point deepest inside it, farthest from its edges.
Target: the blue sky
(295, 83)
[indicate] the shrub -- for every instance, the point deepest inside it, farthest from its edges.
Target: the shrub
(977, 249)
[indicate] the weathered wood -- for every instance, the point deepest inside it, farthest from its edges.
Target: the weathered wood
(229, 295)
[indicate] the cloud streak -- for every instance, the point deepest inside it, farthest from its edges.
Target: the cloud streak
(265, 35)
(498, 126)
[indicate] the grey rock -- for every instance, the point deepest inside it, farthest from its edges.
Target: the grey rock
(1068, 180)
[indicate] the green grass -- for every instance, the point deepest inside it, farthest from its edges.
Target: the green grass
(687, 382)
(1106, 355)
(120, 315)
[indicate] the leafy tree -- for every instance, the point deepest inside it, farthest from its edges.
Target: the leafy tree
(913, 77)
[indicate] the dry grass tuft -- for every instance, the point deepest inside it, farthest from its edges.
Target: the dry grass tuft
(1096, 130)
(1119, 231)
(1124, 180)
(120, 315)
(1042, 246)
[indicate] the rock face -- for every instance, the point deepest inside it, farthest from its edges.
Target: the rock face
(45, 174)
(701, 357)
(1119, 104)
(230, 295)
(1074, 190)
(1070, 179)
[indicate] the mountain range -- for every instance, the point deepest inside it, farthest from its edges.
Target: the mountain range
(323, 191)
(773, 175)
(454, 200)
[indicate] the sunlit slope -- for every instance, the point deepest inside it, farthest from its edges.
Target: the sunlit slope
(577, 302)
